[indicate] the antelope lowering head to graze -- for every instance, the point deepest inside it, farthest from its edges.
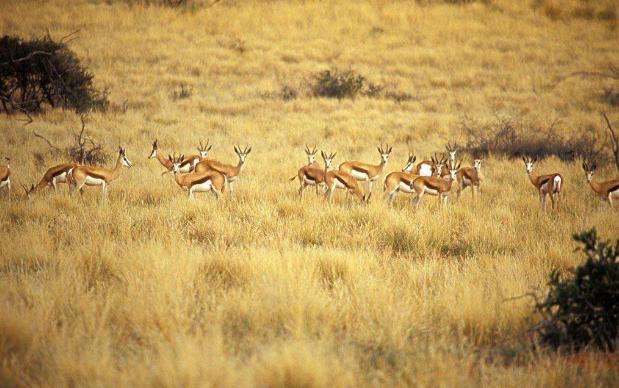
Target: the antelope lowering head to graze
(470, 177)
(231, 172)
(5, 177)
(52, 177)
(186, 166)
(608, 190)
(367, 172)
(400, 180)
(194, 182)
(99, 176)
(310, 174)
(549, 184)
(340, 180)
(433, 185)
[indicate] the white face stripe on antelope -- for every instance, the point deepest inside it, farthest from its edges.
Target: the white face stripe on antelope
(204, 149)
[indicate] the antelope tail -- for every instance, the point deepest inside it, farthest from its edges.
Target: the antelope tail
(556, 184)
(293, 178)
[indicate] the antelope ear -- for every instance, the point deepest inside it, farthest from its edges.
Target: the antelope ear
(390, 148)
(248, 151)
(209, 147)
(333, 156)
(182, 157)
(414, 158)
(379, 150)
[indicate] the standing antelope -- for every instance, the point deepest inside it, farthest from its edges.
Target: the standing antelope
(5, 177)
(400, 181)
(204, 149)
(607, 190)
(99, 176)
(433, 185)
(549, 184)
(193, 182)
(52, 177)
(231, 172)
(187, 165)
(367, 172)
(435, 166)
(310, 174)
(340, 180)
(451, 151)
(470, 177)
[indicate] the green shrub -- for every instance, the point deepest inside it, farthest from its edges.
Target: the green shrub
(582, 310)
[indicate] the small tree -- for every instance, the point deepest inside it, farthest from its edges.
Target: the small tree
(583, 310)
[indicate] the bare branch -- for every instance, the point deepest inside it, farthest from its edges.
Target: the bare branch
(613, 138)
(26, 57)
(49, 143)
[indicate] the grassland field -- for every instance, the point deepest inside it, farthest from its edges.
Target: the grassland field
(262, 288)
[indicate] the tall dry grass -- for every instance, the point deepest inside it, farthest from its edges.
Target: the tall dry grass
(264, 289)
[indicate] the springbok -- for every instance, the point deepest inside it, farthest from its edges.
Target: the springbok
(99, 176)
(5, 177)
(367, 172)
(433, 185)
(310, 174)
(400, 180)
(204, 149)
(52, 177)
(451, 151)
(549, 184)
(606, 190)
(187, 165)
(231, 172)
(435, 166)
(470, 177)
(193, 182)
(340, 180)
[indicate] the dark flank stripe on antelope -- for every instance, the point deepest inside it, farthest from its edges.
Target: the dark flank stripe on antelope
(201, 180)
(60, 172)
(361, 170)
(542, 182)
(186, 162)
(309, 176)
(431, 186)
(342, 181)
(4, 178)
(613, 188)
(468, 175)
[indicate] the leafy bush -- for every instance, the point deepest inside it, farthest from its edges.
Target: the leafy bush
(515, 138)
(336, 83)
(42, 71)
(583, 310)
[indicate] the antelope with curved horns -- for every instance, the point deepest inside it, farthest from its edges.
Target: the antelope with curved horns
(367, 172)
(187, 165)
(99, 176)
(52, 177)
(231, 172)
(433, 185)
(400, 181)
(549, 184)
(310, 174)
(5, 176)
(607, 190)
(204, 149)
(340, 180)
(451, 151)
(193, 182)
(470, 177)
(434, 166)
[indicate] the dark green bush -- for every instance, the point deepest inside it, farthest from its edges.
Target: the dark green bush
(582, 310)
(42, 71)
(336, 83)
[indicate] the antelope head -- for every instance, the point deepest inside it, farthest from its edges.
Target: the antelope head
(384, 153)
(409, 163)
(477, 164)
(176, 162)
(453, 168)
(439, 163)
(528, 163)
(153, 152)
(451, 150)
(122, 154)
(589, 168)
(242, 153)
(311, 154)
(328, 158)
(204, 149)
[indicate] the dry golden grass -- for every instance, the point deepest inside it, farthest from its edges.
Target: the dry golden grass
(264, 289)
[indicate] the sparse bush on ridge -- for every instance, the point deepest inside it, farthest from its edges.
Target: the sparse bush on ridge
(42, 71)
(512, 137)
(582, 310)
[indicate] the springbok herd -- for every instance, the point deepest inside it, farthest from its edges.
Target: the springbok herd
(199, 173)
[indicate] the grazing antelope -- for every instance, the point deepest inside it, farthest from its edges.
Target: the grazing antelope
(5, 177)
(367, 172)
(340, 180)
(186, 166)
(52, 177)
(435, 166)
(433, 185)
(470, 177)
(99, 176)
(607, 190)
(310, 174)
(400, 181)
(231, 172)
(550, 184)
(193, 182)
